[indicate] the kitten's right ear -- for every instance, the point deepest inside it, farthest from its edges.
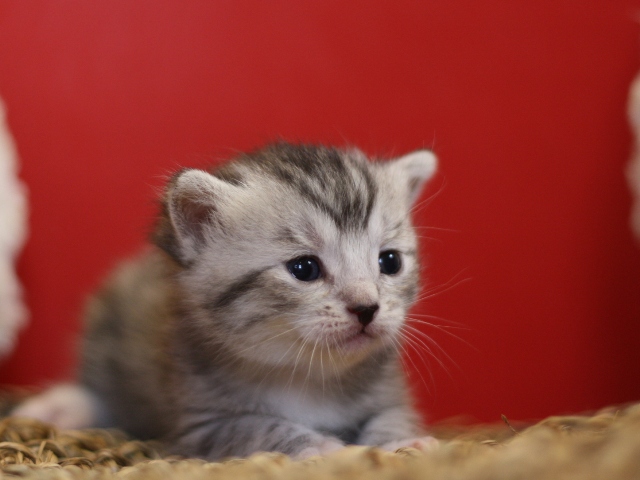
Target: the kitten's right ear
(190, 205)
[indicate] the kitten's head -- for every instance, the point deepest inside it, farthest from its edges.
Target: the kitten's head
(298, 254)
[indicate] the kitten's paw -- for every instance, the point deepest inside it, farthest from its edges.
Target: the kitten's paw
(325, 447)
(424, 444)
(65, 406)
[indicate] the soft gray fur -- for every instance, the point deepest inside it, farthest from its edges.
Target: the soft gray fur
(210, 342)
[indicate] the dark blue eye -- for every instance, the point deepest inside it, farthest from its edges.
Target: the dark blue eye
(305, 269)
(390, 262)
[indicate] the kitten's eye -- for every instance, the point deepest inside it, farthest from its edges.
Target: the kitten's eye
(305, 269)
(390, 262)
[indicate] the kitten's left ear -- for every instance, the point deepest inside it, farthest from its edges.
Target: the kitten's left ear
(417, 167)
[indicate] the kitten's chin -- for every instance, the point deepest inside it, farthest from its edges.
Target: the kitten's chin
(358, 343)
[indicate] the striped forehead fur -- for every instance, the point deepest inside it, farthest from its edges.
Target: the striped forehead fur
(338, 183)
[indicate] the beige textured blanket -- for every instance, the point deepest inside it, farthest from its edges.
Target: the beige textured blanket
(603, 446)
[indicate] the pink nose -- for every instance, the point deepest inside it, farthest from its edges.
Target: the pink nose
(365, 313)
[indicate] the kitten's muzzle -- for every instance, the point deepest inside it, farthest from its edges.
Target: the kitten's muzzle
(365, 313)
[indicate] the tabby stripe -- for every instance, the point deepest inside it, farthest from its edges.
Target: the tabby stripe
(306, 168)
(248, 282)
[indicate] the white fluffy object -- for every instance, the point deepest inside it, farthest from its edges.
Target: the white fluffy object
(13, 229)
(633, 172)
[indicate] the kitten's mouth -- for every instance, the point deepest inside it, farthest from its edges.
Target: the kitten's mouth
(356, 341)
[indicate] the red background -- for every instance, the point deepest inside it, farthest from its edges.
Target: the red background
(523, 101)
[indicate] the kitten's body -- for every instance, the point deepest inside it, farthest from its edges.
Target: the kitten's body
(213, 341)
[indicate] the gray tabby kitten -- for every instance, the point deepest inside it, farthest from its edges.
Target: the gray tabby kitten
(269, 314)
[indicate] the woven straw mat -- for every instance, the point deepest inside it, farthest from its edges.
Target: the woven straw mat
(602, 446)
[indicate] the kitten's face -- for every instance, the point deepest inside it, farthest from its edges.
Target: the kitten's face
(298, 265)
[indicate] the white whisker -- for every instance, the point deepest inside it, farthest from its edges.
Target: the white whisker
(262, 342)
(445, 287)
(413, 334)
(305, 339)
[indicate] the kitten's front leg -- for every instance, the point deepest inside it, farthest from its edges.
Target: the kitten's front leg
(239, 435)
(395, 428)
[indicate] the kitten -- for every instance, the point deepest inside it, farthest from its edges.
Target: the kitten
(267, 317)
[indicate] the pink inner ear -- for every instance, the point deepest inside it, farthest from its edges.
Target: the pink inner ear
(413, 185)
(198, 213)
(191, 216)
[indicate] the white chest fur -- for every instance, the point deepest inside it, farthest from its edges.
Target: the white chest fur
(315, 409)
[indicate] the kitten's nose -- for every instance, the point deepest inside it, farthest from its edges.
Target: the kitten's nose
(364, 313)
